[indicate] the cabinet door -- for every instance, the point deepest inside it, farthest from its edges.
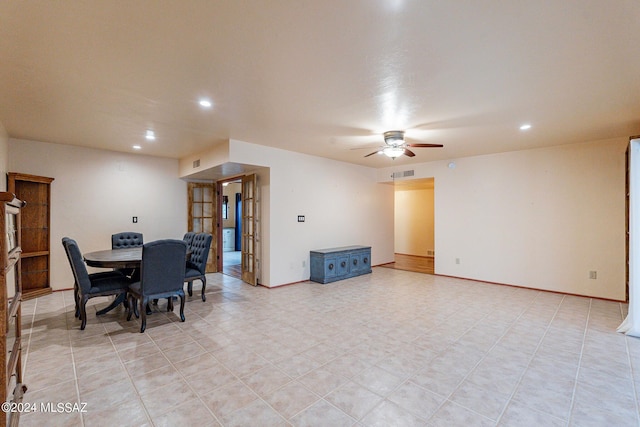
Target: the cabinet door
(366, 261)
(355, 262)
(330, 269)
(342, 265)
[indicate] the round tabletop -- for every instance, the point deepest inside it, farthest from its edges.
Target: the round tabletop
(115, 258)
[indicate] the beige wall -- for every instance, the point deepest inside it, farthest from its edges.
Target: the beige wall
(538, 218)
(414, 226)
(4, 157)
(230, 191)
(96, 193)
(343, 205)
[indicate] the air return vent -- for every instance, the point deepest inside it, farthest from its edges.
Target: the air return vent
(403, 174)
(196, 163)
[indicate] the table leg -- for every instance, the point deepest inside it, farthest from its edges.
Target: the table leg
(116, 302)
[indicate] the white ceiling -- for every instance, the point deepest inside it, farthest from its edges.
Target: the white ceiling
(320, 77)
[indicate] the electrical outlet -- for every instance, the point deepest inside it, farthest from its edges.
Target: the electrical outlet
(593, 274)
(457, 260)
(304, 263)
(135, 219)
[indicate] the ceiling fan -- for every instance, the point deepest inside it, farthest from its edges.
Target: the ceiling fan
(395, 145)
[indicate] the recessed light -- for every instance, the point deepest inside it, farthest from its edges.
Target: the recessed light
(137, 147)
(525, 126)
(205, 103)
(150, 135)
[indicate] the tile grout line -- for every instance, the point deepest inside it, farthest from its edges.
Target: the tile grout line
(527, 313)
(128, 375)
(173, 366)
(447, 397)
(219, 420)
(73, 359)
(179, 373)
(533, 355)
(633, 379)
(292, 380)
(33, 317)
(584, 340)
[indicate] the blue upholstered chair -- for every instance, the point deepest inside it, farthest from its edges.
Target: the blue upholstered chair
(125, 240)
(91, 285)
(161, 276)
(197, 264)
(188, 238)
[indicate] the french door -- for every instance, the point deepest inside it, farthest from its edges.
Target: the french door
(203, 217)
(249, 229)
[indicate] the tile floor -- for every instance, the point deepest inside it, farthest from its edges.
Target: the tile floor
(389, 348)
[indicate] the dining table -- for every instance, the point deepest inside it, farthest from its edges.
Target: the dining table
(114, 258)
(117, 258)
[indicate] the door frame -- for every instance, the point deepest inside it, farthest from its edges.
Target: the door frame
(220, 220)
(252, 275)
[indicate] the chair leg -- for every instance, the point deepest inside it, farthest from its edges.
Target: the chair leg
(143, 314)
(83, 312)
(190, 288)
(204, 286)
(130, 306)
(170, 304)
(134, 306)
(76, 298)
(182, 308)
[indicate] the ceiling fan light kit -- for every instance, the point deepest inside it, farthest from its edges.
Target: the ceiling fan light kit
(395, 145)
(393, 152)
(394, 137)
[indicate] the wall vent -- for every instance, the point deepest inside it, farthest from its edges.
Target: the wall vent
(196, 163)
(403, 174)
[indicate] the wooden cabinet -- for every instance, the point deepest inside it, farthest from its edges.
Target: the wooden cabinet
(330, 265)
(36, 261)
(10, 301)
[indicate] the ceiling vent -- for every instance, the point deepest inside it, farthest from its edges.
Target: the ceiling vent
(403, 174)
(196, 163)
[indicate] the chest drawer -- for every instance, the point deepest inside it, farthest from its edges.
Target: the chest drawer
(330, 265)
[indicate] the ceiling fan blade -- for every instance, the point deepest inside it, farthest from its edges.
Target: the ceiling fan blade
(369, 147)
(425, 145)
(409, 153)
(371, 154)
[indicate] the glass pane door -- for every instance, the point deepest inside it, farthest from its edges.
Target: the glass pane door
(202, 216)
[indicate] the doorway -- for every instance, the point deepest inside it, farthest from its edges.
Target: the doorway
(231, 255)
(414, 226)
(239, 219)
